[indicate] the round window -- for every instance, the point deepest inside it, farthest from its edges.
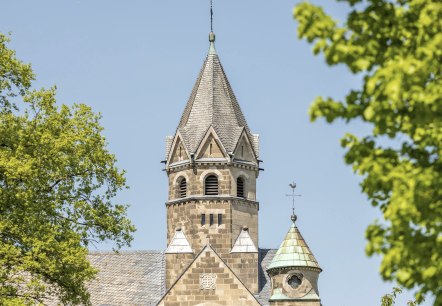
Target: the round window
(294, 281)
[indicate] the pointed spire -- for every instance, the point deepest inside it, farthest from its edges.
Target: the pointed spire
(179, 244)
(294, 251)
(213, 103)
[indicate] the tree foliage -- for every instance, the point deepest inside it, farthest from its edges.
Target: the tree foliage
(390, 298)
(396, 46)
(57, 182)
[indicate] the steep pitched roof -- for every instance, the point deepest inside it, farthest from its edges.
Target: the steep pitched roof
(212, 103)
(128, 278)
(125, 278)
(293, 252)
(265, 257)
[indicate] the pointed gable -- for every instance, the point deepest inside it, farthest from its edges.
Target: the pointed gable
(212, 103)
(244, 243)
(179, 151)
(244, 149)
(209, 280)
(179, 244)
(211, 146)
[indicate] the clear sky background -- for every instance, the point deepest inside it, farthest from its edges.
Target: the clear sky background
(136, 62)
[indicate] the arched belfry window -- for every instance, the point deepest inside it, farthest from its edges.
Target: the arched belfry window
(211, 185)
(183, 188)
(240, 187)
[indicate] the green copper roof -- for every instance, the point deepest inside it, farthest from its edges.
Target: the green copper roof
(293, 252)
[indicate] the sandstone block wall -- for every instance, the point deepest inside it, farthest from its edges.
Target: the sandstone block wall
(175, 265)
(227, 176)
(245, 266)
(227, 290)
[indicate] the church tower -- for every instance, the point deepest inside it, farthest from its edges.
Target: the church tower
(212, 166)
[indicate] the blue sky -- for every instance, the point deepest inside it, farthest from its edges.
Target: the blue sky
(136, 61)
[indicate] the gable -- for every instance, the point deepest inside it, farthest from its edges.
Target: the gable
(179, 152)
(244, 149)
(208, 281)
(211, 146)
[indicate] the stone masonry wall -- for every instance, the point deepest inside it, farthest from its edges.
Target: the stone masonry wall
(176, 263)
(227, 176)
(245, 266)
(223, 287)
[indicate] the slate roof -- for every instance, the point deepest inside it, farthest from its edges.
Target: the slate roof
(294, 252)
(137, 278)
(128, 278)
(265, 256)
(213, 103)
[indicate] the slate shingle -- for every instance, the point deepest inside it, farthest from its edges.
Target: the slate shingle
(213, 103)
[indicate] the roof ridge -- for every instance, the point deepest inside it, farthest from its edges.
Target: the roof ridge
(124, 252)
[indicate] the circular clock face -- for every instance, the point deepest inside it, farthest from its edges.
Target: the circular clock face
(294, 281)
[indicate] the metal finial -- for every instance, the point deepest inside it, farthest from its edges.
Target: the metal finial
(211, 34)
(211, 15)
(293, 195)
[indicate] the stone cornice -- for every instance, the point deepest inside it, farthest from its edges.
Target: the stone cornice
(219, 198)
(290, 268)
(188, 165)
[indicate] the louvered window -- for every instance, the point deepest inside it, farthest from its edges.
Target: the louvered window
(240, 187)
(183, 188)
(211, 185)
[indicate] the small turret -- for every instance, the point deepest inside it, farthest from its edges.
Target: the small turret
(294, 272)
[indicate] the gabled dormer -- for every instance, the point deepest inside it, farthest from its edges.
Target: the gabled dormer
(244, 150)
(177, 152)
(211, 148)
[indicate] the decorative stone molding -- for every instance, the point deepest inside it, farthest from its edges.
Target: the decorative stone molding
(304, 287)
(208, 281)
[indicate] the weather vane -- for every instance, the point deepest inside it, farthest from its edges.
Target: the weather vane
(293, 195)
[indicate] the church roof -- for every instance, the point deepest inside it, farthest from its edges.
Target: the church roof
(125, 278)
(138, 278)
(213, 103)
(293, 252)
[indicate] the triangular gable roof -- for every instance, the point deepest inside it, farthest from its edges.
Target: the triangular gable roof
(179, 244)
(178, 138)
(293, 252)
(211, 132)
(199, 265)
(252, 144)
(244, 243)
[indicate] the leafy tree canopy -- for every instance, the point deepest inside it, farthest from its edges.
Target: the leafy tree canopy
(57, 182)
(396, 46)
(390, 298)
